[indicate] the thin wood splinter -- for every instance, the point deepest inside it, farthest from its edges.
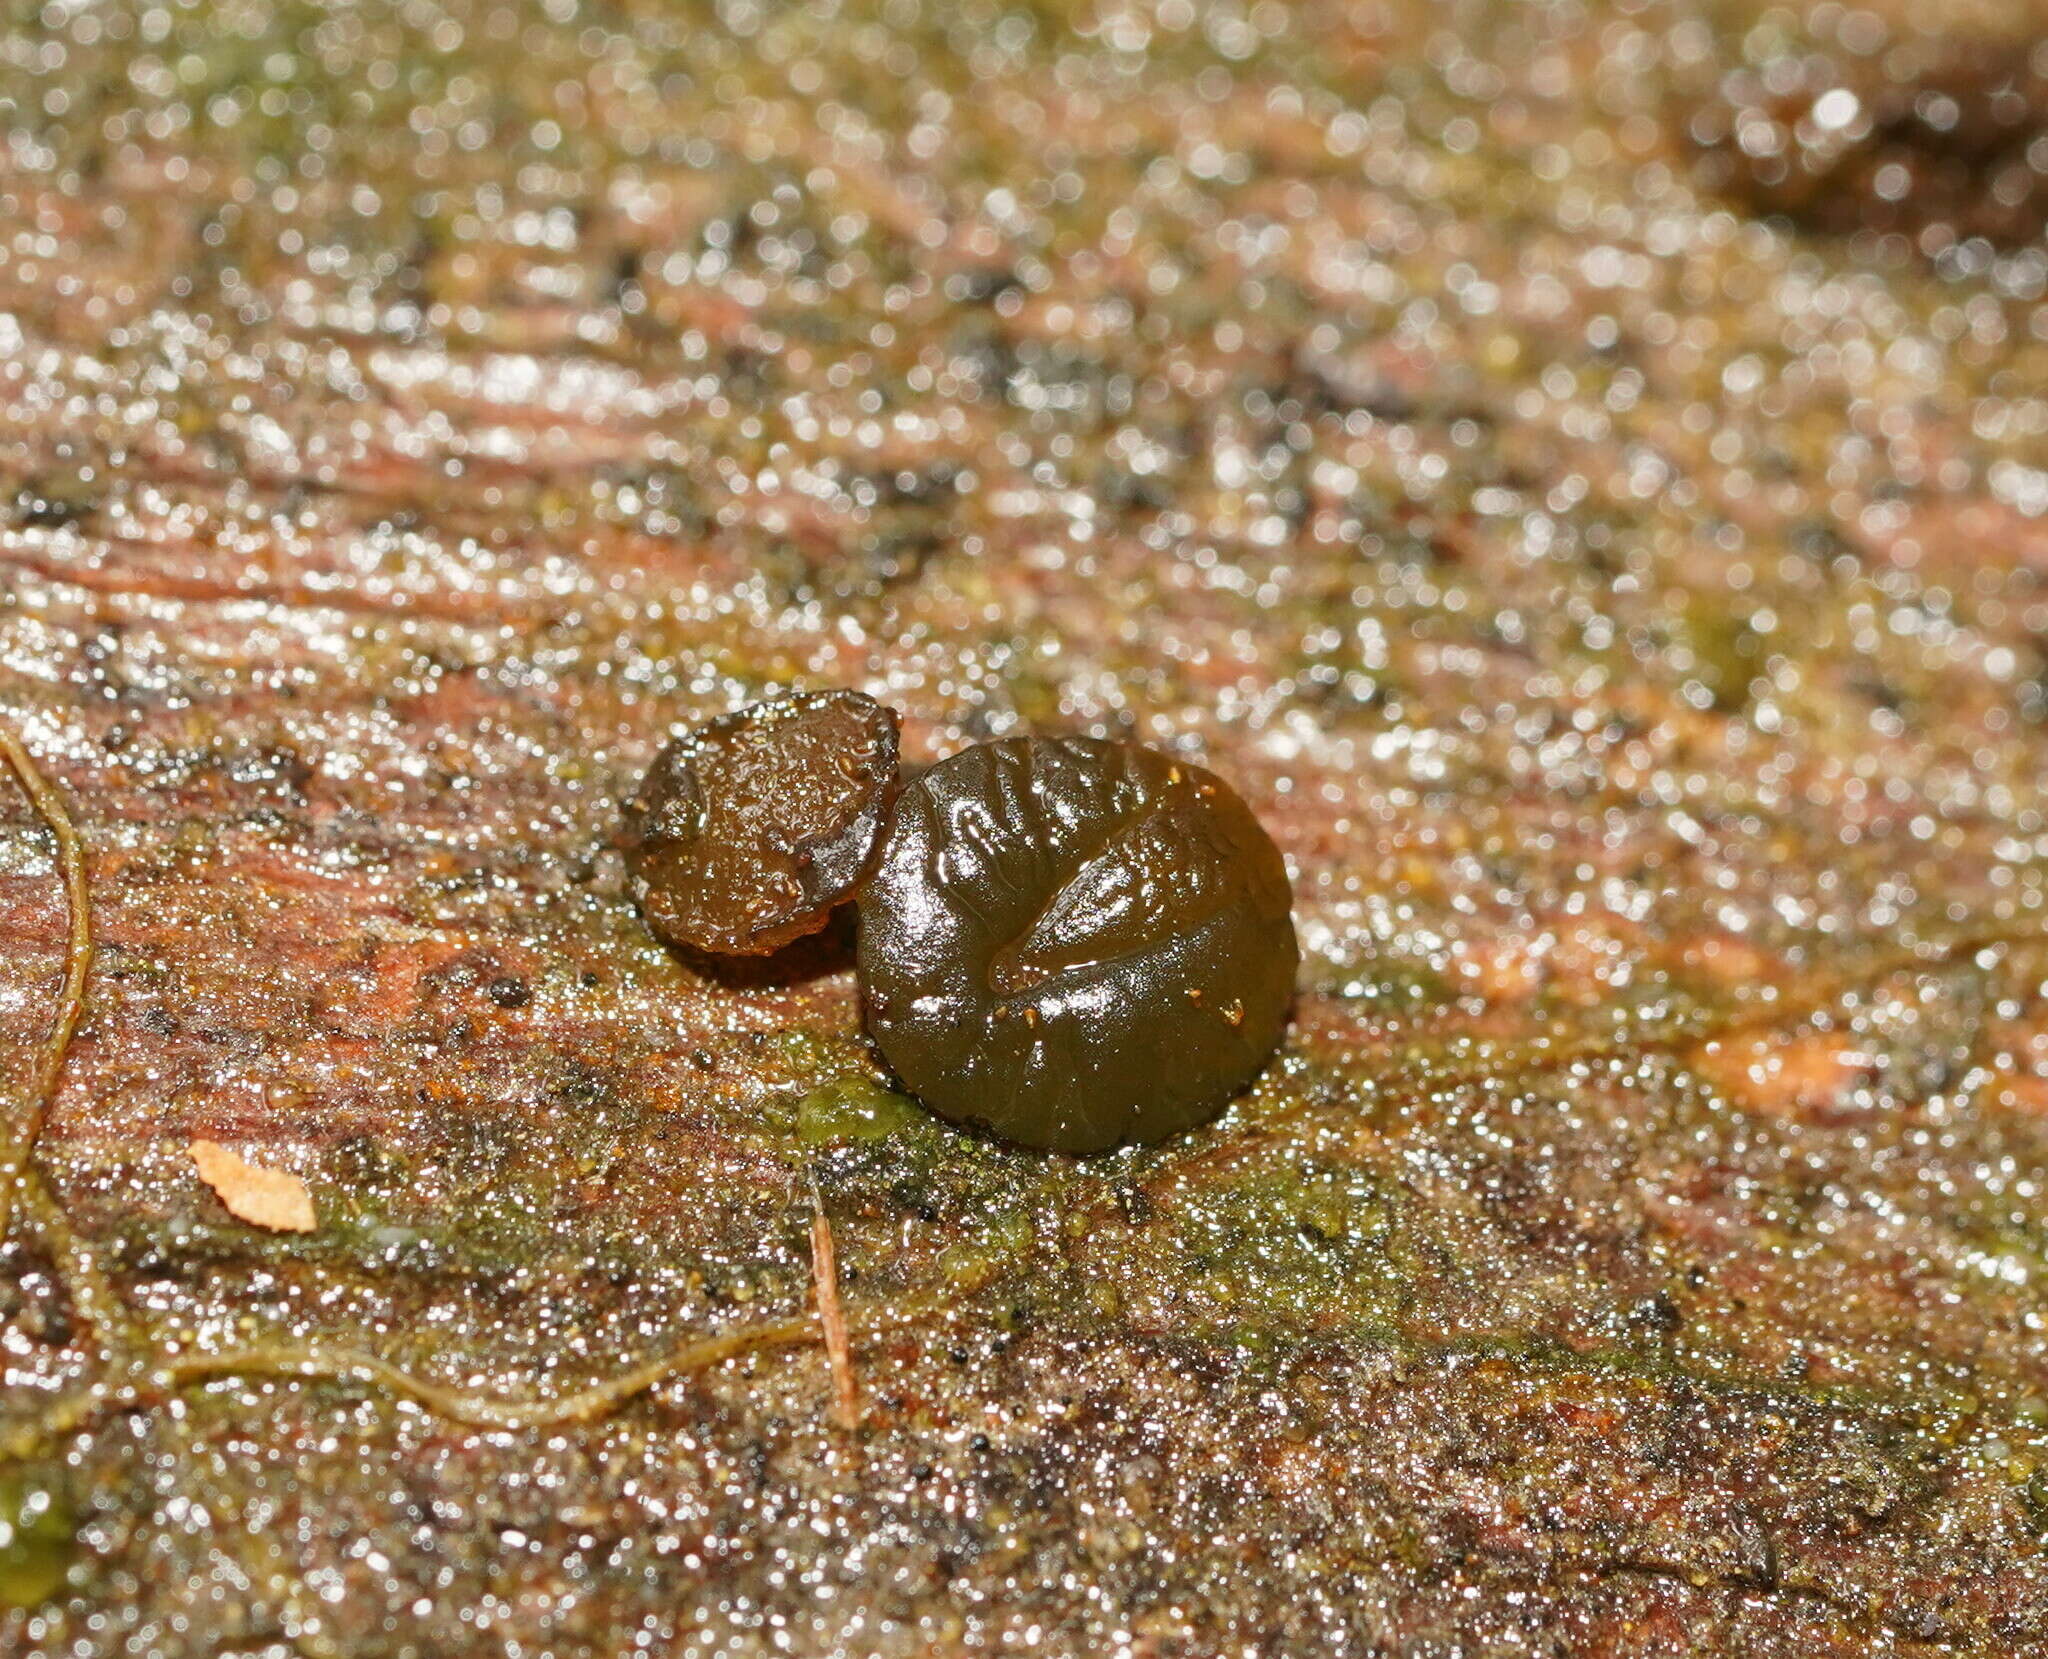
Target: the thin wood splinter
(838, 1352)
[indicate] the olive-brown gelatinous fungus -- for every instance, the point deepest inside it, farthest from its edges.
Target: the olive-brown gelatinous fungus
(751, 828)
(1075, 943)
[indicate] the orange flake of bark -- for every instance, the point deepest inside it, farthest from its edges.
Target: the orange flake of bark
(272, 1198)
(1505, 969)
(1810, 1077)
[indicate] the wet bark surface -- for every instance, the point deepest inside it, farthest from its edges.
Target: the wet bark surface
(1627, 615)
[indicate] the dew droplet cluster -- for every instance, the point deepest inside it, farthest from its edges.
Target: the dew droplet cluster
(1580, 468)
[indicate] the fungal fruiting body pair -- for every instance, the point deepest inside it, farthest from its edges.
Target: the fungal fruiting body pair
(1070, 942)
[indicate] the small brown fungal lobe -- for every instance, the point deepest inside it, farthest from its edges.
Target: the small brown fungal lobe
(751, 828)
(1075, 943)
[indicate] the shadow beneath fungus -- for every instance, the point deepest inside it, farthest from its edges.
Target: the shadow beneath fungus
(801, 962)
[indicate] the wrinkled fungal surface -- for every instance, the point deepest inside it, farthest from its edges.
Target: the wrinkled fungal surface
(1075, 943)
(1626, 609)
(750, 829)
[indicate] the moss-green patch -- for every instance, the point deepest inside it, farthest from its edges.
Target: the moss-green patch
(1002, 1246)
(38, 1540)
(1385, 986)
(1273, 1249)
(853, 1108)
(1724, 651)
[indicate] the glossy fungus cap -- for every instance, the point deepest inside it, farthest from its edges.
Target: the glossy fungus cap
(749, 829)
(1075, 943)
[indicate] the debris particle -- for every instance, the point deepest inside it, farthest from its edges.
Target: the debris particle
(273, 1198)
